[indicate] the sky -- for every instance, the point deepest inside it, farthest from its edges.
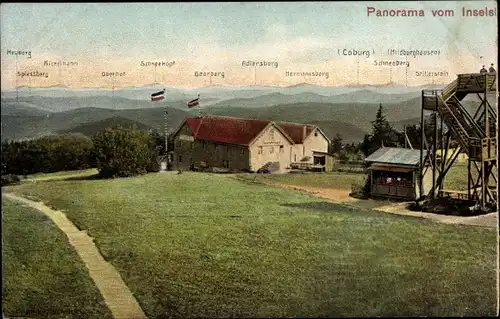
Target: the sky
(297, 37)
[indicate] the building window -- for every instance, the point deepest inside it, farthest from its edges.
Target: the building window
(227, 148)
(215, 147)
(315, 133)
(180, 158)
(242, 151)
(271, 133)
(260, 150)
(271, 150)
(192, 145)
(281, 148)
(295, 157)
(204, 145)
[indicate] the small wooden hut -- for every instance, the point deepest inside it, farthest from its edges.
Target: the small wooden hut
(394, 173)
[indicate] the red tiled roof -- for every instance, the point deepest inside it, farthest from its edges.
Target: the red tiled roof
(296, 131)
(225, 129)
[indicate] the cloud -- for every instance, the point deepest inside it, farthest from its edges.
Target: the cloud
(277, 31)
(299, 54)
(205, 52)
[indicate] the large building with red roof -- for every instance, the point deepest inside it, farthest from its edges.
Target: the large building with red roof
(245, 144)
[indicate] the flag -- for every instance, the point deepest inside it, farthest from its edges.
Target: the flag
(194, 102)
(158, 96)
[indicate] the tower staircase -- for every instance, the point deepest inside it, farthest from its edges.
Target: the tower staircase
(477, 139)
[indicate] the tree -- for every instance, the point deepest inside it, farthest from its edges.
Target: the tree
(414, 133)
(336, 144)
(122, 152)
(382, 134)
(158, 140)
(365, 146)
(47, 154)
(381, 130)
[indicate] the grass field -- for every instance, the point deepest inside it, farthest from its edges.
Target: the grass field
(320, 180)
(61, 175)
(43, 276)
(456, 179)
(205, 245)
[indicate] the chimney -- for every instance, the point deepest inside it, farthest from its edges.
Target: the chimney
(304, 131)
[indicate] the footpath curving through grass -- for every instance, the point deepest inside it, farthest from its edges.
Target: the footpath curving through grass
(43, 276)
(205, 245)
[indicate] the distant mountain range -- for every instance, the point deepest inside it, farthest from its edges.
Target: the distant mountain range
(60, 99)
(347, 111)
(214, 94)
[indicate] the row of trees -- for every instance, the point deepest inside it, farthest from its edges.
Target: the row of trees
(47, 154)
(115, 152)
(383, 134)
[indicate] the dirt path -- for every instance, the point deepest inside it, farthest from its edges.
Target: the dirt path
(335, 195)
(486, 220)
(342, 196)
(115, 292)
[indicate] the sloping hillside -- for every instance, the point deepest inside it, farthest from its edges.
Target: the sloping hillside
(348, 132)
(363, 96)
(21, 109)
(98, 126)
(357, 114)
(350, 120)
(16, 127)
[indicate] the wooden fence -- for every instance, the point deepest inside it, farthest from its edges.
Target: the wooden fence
(349, 166)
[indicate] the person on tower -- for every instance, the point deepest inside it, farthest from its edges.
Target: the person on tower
(492, 69)
(483, 70)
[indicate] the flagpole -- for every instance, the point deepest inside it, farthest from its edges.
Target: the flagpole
(199, 107)
(17, 86)
(166, 136)
(405, 135)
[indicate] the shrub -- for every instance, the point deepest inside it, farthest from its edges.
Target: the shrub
(10, 179)
(123, 152)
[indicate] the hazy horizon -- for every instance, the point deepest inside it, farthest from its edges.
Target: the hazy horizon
(241, 44)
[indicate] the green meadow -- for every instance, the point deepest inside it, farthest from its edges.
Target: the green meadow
(43, 276)
(206, 245)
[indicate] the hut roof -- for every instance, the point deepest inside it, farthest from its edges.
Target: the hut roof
(396, 156)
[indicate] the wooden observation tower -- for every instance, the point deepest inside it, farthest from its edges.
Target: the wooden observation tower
(475, 133)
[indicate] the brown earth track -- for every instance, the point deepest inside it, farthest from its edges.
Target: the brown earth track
(342, 196)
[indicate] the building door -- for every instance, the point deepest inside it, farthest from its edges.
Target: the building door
(275, 154)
